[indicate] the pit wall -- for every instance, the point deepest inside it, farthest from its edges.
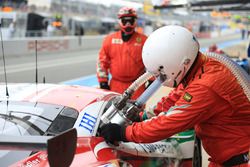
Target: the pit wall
(27, 46)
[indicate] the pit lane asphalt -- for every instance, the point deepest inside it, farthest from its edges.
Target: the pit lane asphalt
(71, 67)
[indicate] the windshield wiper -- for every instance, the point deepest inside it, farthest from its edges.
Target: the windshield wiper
(32, 115)
(21, 121)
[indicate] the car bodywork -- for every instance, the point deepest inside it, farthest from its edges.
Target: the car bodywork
(49, 109)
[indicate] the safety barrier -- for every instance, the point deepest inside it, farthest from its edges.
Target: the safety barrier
(28, 46)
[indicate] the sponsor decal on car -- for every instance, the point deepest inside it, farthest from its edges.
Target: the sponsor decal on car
(88, 122)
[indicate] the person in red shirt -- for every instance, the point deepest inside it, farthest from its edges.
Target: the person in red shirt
(215, 100)
(121, 55)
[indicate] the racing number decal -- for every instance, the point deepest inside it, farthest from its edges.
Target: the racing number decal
(88, 122)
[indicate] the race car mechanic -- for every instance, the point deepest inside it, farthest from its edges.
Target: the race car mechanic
(215, 101)
(120, 55)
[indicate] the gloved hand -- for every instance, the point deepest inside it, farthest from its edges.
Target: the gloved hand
(113, 133)
(104, 85)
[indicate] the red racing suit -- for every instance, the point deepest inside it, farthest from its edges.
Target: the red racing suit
(165, 103)
(123, 60)
(214, 103)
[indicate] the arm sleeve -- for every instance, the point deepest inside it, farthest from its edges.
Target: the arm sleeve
(169, 101)
(103, 62)
(164, 104)
(184, 115)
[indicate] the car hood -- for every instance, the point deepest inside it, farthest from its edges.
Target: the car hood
(76, 97)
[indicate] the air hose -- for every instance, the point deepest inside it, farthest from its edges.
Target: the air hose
(137, 83)
(121, 102)
(240, 74)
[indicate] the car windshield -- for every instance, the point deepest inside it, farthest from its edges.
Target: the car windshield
(31, 118)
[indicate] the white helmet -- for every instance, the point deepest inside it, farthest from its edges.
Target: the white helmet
(171, 51)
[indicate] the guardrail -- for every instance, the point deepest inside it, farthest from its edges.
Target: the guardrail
(27, 46)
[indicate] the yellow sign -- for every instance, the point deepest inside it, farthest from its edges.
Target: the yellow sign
(149, 9)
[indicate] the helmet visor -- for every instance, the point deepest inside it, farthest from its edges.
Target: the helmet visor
(125, 20)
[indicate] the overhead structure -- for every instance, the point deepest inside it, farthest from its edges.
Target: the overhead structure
(210, 5)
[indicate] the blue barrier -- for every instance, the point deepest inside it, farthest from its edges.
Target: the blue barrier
(90, 80)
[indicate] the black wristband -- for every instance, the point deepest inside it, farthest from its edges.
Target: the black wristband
(123, 134)
(104, 85)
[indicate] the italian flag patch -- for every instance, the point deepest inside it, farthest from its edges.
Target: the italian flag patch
(187, 97)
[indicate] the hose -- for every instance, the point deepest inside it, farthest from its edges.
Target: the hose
(137, 83)
(240, 74)
(149, 92)
(121, 103)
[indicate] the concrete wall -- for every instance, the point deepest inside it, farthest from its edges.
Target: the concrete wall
(27, 46)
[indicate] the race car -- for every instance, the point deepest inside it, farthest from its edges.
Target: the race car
(48, 110)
